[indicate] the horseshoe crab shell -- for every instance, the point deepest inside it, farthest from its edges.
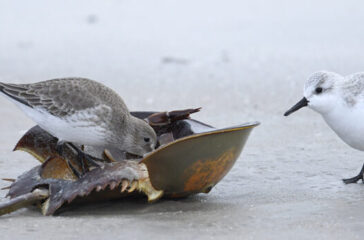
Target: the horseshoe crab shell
(196, 163)
(193, 158)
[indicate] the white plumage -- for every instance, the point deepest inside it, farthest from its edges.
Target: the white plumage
(340, 101)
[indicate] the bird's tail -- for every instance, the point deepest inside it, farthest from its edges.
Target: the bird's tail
(1, 87)
(14, 91)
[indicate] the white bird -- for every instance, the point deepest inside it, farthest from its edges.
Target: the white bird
(83, 112)
(340, 101)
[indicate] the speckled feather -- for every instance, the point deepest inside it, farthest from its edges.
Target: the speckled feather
(82, 111)
(353, 88)
(65, 96)
(350, 88)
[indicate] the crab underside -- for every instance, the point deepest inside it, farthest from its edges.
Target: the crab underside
(192, 158)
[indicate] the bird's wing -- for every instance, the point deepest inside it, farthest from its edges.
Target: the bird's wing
(353, 88)
(59, 97)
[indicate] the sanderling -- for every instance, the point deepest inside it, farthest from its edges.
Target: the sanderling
(340, 101)
(83, 112)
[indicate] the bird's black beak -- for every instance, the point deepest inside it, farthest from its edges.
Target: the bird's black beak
(302, 103)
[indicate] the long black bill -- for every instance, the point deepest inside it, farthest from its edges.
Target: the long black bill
(302, 103)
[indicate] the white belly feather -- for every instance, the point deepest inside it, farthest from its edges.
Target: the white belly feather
(74, 128)
(348, 124)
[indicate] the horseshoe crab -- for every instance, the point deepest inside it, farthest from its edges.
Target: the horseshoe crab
(192, 158)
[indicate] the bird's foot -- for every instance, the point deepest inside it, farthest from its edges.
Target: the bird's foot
(353, 179)
(356, 178)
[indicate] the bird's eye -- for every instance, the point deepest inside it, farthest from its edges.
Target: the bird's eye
(146, 139)
(318, 90)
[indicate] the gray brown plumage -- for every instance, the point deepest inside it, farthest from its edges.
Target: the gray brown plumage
(82, 111)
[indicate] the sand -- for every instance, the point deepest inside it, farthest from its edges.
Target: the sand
(238, 60)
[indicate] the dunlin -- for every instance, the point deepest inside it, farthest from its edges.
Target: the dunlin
(340, 101)
(83, 112)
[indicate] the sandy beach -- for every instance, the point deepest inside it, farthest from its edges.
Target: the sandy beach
(240, 61)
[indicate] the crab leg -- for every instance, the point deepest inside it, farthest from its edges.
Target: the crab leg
(23, 201)
(124, 185)
(109, 156)
(8, 179)
(165, 118)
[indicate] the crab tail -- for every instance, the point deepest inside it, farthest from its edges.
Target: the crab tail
(23, 201)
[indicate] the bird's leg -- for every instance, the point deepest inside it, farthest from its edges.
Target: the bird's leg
(60, 147)
(80, 157)
(83, 158)
(60, 150)
(356, 178)
(74, 170)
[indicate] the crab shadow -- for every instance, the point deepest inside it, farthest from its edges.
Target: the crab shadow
(133, 206)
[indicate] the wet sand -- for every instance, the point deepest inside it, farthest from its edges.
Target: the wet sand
(238, 60)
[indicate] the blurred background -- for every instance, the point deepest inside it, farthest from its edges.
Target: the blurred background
(190, 53)
(238, 60)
